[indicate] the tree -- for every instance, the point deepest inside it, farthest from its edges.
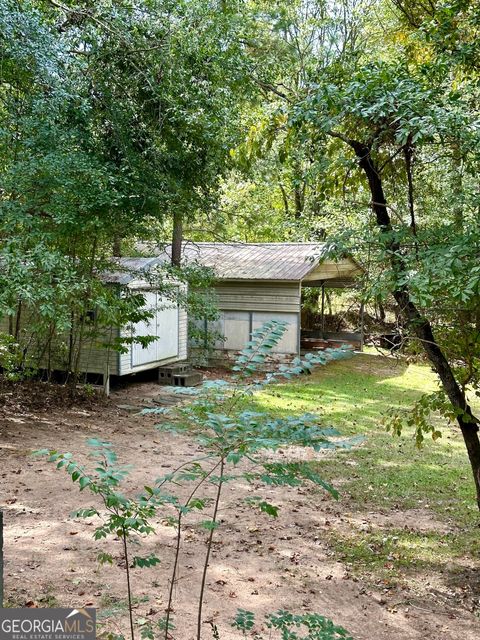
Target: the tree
(392, 127)
(116, 117)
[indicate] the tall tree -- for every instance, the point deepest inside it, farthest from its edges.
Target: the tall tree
(390, 127)
(114, 116)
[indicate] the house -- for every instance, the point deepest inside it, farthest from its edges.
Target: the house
(257, 282)
(168, 324)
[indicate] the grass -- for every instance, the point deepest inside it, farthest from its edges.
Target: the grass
(112, 607)
(388, 474)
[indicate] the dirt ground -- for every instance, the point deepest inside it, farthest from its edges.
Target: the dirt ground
(257, 563)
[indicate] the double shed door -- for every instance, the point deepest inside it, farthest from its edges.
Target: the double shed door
(163, 325)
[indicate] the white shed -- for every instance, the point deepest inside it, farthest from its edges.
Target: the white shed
(168, 325)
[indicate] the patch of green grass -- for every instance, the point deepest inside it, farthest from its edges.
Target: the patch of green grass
(387, 473)
(48, 599)
(112, 606)
(397, 552)
(353, 393)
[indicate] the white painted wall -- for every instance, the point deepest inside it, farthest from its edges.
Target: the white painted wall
(163, 325)
(289, 341)
(236, 326)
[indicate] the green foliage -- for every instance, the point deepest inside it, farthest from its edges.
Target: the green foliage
(420, 417)
(236, 441)
(148, 630)
(244, 621)
(104, 558)
(390, 127)
(11, 358)
(235, 434)
(234, 445)
(88, 160)
(124, 517)
(288, 626)
(149, 561)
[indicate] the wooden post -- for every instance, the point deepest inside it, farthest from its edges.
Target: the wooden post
(362, 327)
(323, 310)
(1, 559)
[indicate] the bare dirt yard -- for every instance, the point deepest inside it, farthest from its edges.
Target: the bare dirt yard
(258, 563)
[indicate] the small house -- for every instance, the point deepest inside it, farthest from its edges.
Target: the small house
(258, 282)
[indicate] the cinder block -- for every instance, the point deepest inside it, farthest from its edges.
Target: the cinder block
(166, 374)
(191, 379)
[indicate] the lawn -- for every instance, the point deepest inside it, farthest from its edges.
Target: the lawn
(395, 557)
(389, 475)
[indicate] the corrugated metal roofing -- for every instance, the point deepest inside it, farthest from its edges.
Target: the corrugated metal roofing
(129, 269)
(287, 261)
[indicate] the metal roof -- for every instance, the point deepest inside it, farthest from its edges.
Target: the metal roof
(127, 270)
(282, 261)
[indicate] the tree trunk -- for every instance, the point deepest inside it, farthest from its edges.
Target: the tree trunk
(298, 202)
(380, 311)
(18, 321)
(467, 422)
(117, 246)
(177, 238)
(285, 200)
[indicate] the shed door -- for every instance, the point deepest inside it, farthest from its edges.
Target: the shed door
(290, 339)
(237, 329)
(167, 329)
(163, 325)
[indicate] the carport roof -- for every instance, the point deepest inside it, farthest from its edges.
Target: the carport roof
(282, 261)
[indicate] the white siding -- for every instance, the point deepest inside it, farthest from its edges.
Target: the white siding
(94, 356)
(236, 328)
(163, 325)
(345, 268)
(182, 334)
(259, 296)
(170, 326)
(246, 306)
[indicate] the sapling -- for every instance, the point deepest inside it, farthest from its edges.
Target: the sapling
(289, 626)
(234, 441)
(123, 516)
(230, 433)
